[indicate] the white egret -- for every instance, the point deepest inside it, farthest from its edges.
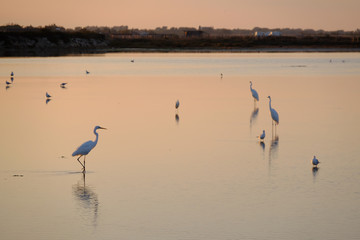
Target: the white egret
(62, 85)
(48, 95)
(254, 93)
(86, 147)
(274, 114)
(262, 136)
(177, 104)
(315, 161)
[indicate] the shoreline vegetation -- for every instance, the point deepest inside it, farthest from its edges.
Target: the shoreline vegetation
(53, 40)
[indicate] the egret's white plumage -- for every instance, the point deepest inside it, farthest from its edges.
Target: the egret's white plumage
(86, 147)
(48, 95)
(254, 93)
(315, 161)
(177, 104)
(274, 114)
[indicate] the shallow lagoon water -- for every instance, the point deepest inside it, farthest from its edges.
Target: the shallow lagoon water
(201, 176)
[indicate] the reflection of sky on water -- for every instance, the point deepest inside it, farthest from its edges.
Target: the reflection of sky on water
(87, 200)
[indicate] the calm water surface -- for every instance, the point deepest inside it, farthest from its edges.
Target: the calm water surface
(199, 175)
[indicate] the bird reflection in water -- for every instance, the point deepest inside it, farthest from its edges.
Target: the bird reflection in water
(262, 145)
(253, 115)
(274, 145)
(315, 171)
(48, 100)
(177, 118)
(87, 199)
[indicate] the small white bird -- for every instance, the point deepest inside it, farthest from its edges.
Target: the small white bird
(86, 147)
(254, 93)
(315, 161)
(262, 136)
(62, 85)
(48, 95)
(177, 104)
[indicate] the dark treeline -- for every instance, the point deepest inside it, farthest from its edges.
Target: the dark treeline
(16, 40)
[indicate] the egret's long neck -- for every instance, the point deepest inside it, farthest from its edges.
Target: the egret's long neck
(270, 103)
(97, 137)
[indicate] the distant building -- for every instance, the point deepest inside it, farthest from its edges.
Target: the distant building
(267, 34)
(194, 33)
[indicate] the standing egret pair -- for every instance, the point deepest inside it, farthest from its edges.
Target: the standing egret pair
(86, 147)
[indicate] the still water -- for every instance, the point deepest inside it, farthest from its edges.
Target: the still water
(198, 172)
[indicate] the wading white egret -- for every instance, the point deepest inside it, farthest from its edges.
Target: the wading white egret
(274, 114)
(254, 93)
(86, 147)
(315, 162)
(177, 104)
(48, 95)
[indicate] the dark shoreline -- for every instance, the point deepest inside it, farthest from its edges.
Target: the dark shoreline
(79, 52)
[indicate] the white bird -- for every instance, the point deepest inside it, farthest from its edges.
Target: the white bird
(48, 95)
(86, 147)
(177, 104)
(315, 162)
(274, 114)
(262, 136)
(254, 93)
(63, 84)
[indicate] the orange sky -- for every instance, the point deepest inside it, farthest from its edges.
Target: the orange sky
(315, 14)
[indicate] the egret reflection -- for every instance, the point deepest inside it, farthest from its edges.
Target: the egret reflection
(87, 200)
(315, 171)
(253, 116)
(274, 146)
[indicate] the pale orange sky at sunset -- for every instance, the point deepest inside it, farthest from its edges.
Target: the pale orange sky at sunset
(244, 14)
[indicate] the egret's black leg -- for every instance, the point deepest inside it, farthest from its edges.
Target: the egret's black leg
(81, 162)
